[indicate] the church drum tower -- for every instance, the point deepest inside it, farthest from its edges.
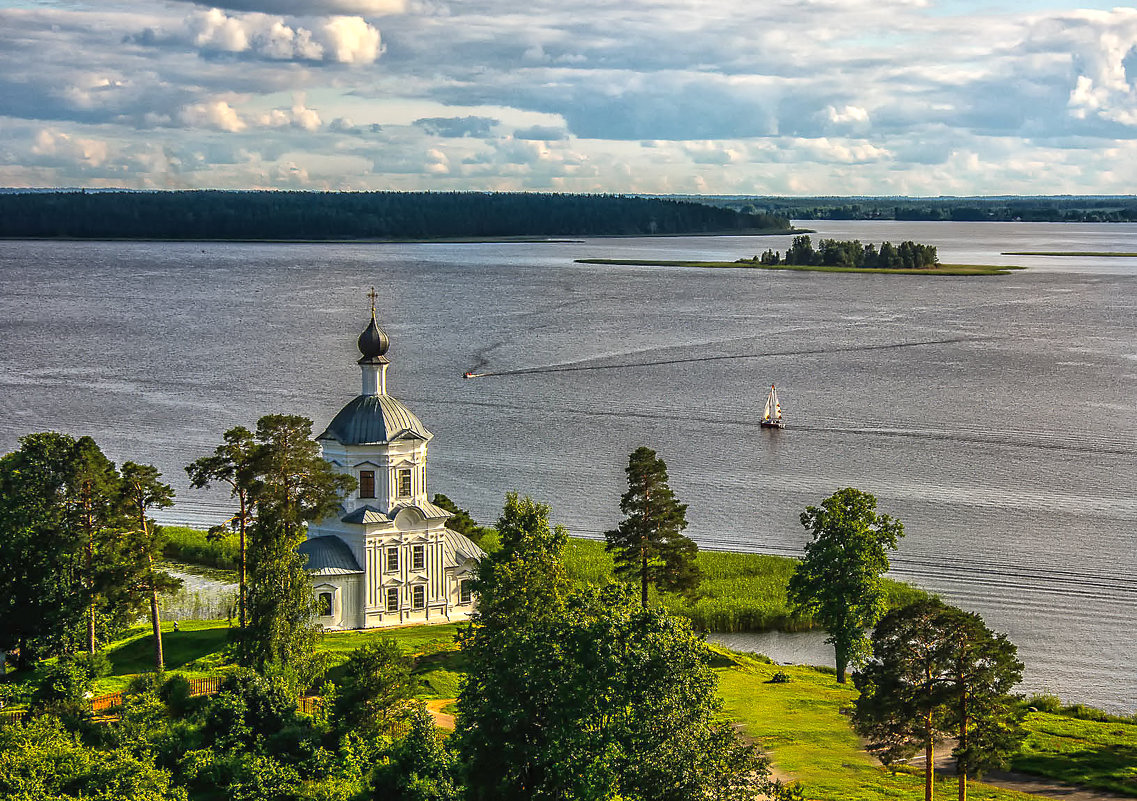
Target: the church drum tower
(386, 558)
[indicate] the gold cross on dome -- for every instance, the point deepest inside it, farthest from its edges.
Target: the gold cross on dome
(372, 295)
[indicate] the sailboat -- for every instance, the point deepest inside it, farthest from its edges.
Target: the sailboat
(772, 415)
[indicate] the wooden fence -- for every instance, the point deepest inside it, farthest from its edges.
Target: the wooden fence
(12, 716)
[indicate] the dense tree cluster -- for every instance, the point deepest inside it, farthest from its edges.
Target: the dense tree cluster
(1064, 208)
(358, 215)
(851, 253)
(77, 548)
(586, 694)
(939, 671)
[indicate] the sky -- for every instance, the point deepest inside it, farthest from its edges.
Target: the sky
(781, 97)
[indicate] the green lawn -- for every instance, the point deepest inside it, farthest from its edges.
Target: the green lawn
(801, 726)
(740, 591)
(1083, 752)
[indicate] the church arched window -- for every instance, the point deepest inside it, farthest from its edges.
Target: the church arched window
(366, 483)
(324, 604)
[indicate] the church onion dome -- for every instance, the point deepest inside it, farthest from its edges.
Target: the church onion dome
(373, 343)
(328, 556)
(373, 420)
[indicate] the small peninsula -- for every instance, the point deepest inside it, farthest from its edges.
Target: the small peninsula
(834, 256)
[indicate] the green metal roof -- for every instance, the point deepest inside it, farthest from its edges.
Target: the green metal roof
(372, 419)
(369, 514)
(328, 556)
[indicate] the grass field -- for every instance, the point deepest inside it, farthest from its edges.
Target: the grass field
(740, 591)
(194, 547)
(939, 270)
(800, 724)
(1090, 753)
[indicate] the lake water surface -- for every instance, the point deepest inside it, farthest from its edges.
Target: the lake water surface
(994, 416)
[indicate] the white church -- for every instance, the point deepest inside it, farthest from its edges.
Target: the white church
(387, 558)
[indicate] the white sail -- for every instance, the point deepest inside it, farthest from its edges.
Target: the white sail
(766, 411)
(777, 405)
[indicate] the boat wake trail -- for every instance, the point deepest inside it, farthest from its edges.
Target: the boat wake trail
(572, 367)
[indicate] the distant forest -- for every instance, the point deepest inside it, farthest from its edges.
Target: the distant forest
(359, 215)
(1063, 208)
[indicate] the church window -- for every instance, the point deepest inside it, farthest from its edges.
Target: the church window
(418, 596)
(366, 483)
(403, 476)
(465, 591)
(393, 599)
(324, 604)
(418, 557)
(393, 559)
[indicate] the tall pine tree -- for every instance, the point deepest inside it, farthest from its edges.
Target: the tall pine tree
(142, 491)
(232, 463)
(649, 544)
(293, 486)
(937, 670)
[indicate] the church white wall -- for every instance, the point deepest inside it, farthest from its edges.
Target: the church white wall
(385, 459)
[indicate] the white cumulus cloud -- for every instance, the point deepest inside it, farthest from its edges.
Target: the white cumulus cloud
(342, 39)
(217, 114)
(62, 146)
(299, 116)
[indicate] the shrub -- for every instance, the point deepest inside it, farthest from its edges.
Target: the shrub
(781, 677)
(175, 694)
(198, 548)
(94, 665)
(1044, 703)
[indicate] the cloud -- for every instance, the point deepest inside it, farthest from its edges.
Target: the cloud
(216, 114)
(848, 114)
(315, 7)
(346, 40)
(299, 116)
(545, 133)
(61, 146)
(351, 40)
(454, 127)
(1100, 47)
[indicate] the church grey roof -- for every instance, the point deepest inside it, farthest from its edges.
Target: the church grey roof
(372, 419)
(328, 556)
(369, 514)
(460, 547)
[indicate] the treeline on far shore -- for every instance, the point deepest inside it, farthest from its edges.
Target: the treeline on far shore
(291, 216)
(1061, 208)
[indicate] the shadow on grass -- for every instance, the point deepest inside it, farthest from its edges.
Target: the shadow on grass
(1107, 767)
(179, 649)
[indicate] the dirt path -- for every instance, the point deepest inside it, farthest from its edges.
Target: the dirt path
(1022, 782)
(443, 720)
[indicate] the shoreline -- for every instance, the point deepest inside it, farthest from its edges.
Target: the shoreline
(940, 270)
(529, 239)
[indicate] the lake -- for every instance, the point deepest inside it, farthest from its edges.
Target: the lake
(994, 416)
